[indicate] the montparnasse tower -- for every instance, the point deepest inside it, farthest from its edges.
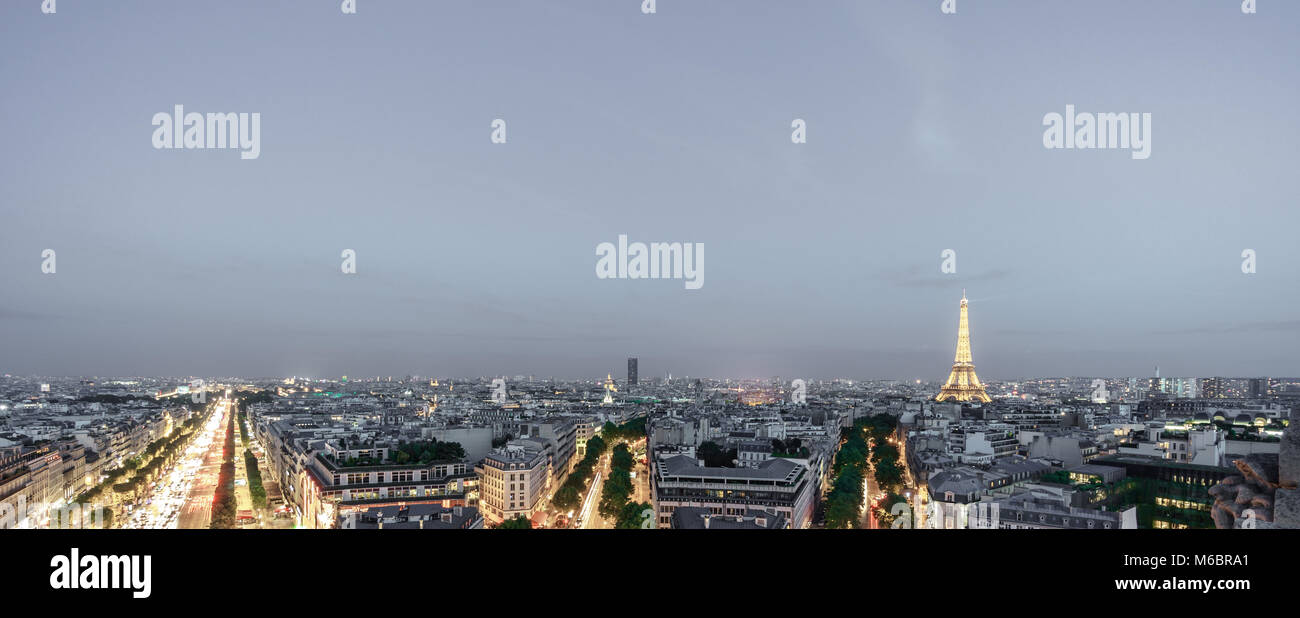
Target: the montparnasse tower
(963, 384)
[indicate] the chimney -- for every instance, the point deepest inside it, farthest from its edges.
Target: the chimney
(422, 524)
(706, 522)
(459, 510)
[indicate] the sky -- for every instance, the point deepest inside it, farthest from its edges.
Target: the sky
(473, 258)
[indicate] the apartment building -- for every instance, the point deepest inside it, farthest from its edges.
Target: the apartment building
(780, 485)
(513, 480)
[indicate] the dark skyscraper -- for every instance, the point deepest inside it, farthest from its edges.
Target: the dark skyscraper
(631, 372)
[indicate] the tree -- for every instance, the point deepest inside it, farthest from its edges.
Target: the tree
(713, 455)
(882, 452)
(622, 458)
(518, 522)
(841, 512)
(596, 444)
(634, 515)
(844, 504)
(614, 493)
(889, 474)
(567, 497)
(850, 455)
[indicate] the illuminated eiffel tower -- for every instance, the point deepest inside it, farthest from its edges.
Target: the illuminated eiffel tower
(963, 384)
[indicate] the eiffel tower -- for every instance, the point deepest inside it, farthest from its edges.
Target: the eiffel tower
(963, 384)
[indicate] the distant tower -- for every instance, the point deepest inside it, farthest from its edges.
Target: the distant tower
(609, 389)
(631, 372)
(963, 384)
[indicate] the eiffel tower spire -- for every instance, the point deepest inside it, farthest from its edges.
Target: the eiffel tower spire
(963, 384)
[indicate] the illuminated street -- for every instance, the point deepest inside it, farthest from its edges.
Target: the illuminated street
(591, 517)
(166, 502)
(589, 503)
(870, 494)
(203, 462)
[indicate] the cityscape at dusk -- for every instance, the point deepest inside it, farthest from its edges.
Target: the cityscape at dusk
(643, 451)
(284, 285)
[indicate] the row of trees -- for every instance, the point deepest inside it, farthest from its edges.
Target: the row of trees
(844, 502)
(866, 442)
(135, 473)
(255, 488)
(615, 495)
(569, 495)
(630, 431)
(889, 469)
(243, 428)
(614, 500)
(886, 464)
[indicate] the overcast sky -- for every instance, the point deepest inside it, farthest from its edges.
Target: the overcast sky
(924, 133)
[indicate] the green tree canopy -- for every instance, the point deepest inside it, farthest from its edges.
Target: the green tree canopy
(518, 522)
